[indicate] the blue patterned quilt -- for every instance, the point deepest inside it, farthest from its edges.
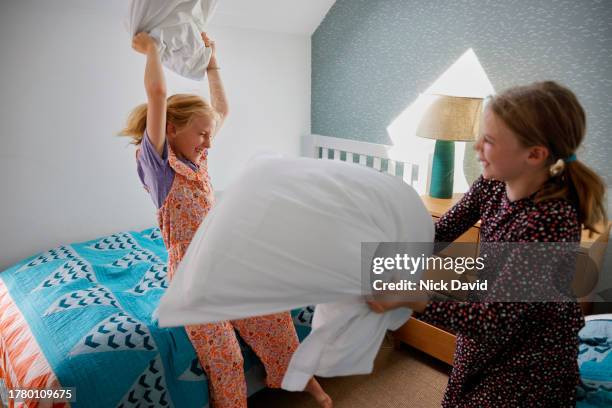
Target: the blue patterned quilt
(90, 307)
(595, 361)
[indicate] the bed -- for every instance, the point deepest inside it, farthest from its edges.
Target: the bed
(79, 316)
(595, 362)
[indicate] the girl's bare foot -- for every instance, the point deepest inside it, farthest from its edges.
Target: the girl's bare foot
(314, 388)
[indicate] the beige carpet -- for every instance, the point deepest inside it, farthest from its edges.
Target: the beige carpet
(401, 378)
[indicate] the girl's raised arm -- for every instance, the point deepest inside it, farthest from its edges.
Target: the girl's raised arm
(155, 86)
(218, 100)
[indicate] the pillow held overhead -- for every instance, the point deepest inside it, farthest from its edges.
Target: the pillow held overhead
(176, 25)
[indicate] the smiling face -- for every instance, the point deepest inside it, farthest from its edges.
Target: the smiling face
(499, 151)
(189, 141)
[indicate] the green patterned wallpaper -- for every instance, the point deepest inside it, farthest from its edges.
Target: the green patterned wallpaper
(372, 58)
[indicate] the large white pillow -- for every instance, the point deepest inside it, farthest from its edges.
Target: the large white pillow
(287, 234)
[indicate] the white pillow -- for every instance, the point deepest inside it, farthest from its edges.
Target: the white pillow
(288, 234)
(176, 25)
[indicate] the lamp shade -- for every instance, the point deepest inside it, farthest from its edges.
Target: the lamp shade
(451, 118)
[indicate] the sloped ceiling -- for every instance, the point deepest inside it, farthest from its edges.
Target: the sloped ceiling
(285, 16)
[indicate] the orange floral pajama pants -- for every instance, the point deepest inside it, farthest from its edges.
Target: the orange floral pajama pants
(273, 338)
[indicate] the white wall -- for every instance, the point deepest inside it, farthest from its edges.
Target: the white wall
(69, 78)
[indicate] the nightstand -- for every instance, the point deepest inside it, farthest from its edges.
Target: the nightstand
(440, 343)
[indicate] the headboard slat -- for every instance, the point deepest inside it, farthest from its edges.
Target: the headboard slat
(377, 163)
(391, 167)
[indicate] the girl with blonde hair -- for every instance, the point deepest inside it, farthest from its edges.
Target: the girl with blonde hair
(173, 136)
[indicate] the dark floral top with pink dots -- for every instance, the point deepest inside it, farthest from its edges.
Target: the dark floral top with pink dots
(515, 353)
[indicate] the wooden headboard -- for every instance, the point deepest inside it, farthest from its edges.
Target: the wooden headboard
(376, 156)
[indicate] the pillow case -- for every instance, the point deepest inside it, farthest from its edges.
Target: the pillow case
(288, 234)
(176, 25)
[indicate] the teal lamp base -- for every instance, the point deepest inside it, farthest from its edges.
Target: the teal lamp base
(442, 170)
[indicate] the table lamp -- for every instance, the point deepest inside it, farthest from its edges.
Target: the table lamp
(446, 120)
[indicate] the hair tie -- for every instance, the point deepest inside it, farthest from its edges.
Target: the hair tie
(571, 158)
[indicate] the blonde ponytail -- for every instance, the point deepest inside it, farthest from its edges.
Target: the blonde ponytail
(136, 124)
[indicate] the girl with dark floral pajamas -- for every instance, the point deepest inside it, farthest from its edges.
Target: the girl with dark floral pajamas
(533, 188)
